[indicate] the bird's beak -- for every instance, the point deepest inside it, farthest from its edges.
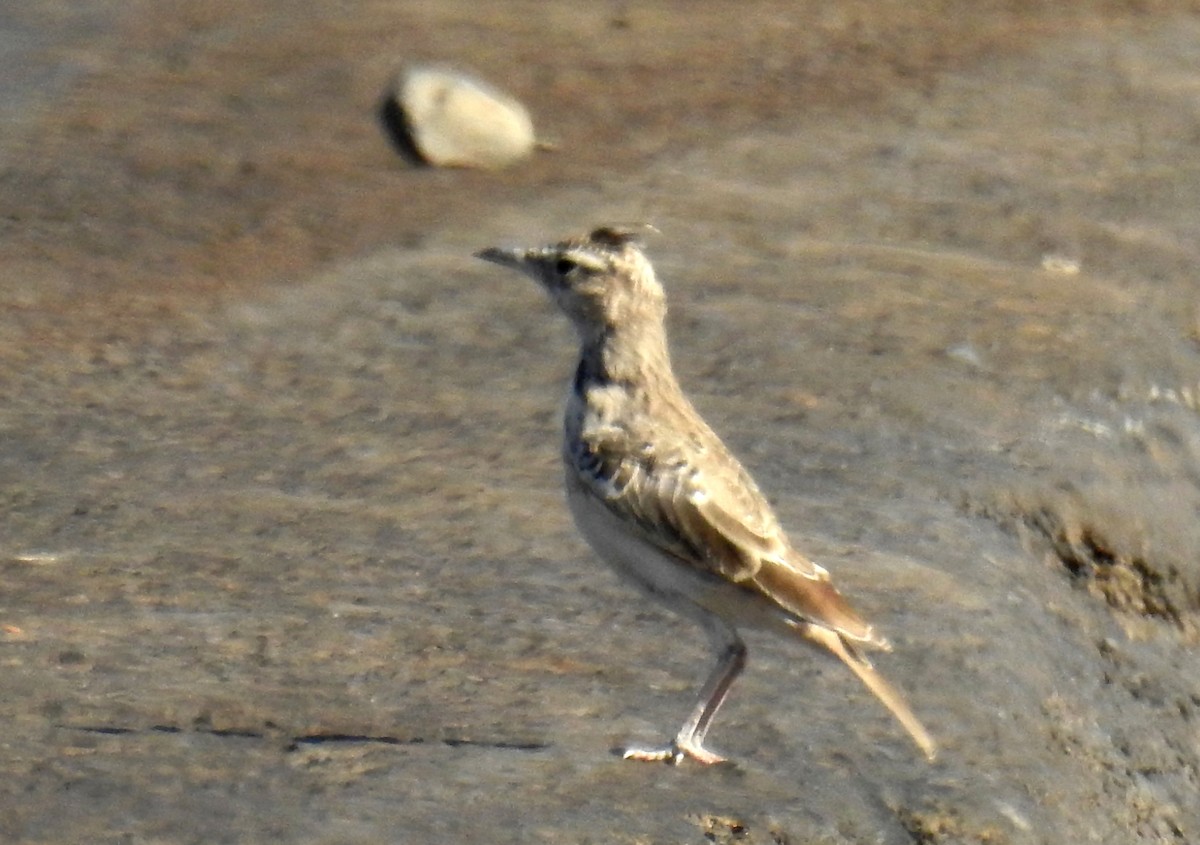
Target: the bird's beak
(514, 258)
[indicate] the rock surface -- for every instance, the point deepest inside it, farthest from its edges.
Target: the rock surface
(282, 551)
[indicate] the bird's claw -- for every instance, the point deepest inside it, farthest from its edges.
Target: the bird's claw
(673, 753)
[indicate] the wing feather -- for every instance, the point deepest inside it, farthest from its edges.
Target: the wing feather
(717, 519)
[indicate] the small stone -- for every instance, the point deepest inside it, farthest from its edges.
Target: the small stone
(1061, 265)
(454, 120)
(965, 353)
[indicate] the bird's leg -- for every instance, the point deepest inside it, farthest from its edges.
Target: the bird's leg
(689, 742)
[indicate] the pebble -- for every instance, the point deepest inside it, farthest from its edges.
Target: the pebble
(456, 120)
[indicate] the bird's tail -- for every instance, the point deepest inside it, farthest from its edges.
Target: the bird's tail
(875, 682)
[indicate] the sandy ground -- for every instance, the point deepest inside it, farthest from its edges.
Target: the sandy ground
(282, 548)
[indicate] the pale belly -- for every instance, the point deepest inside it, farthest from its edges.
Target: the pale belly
(665, 577)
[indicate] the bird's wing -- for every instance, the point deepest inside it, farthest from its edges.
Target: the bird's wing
(711, 514)
(658, 486)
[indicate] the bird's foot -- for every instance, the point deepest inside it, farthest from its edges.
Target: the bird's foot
(673, 752)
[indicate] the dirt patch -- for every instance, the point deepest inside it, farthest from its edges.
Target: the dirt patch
(939, 827)
(1086, 542)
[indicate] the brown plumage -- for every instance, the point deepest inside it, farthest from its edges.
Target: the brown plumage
(660, 498)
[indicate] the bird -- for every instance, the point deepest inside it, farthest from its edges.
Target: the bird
(661, 499)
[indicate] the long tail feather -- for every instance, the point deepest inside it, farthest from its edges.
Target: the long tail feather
(875, 682)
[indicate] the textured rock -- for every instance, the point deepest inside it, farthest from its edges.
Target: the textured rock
(291, 564)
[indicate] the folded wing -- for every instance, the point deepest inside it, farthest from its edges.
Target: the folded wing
(719, 520)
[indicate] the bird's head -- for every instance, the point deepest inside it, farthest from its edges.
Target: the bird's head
(600, 280)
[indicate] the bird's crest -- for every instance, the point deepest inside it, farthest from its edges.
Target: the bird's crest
(619, 234)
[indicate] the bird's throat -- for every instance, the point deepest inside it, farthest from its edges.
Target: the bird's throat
(633, 357)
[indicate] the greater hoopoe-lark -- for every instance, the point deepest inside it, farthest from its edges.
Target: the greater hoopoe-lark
(662, 500)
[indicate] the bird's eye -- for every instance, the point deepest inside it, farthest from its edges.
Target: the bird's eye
(564, 266)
